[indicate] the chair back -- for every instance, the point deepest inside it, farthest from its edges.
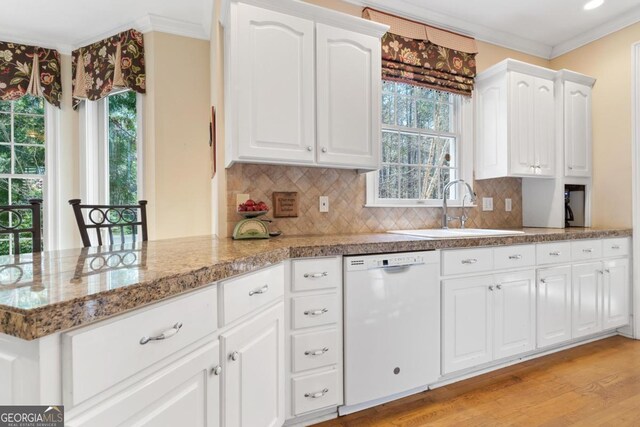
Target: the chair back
(106, 218)
(18, 224)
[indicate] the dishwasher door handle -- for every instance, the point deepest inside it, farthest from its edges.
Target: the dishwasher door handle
(395, 268)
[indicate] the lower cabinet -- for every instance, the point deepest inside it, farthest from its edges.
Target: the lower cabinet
(253, 371)
(554, 306)
(616, 293)
(186, 392)
(487, 318)
(587, 299)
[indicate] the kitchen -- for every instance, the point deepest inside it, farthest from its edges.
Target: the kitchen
(472, 209)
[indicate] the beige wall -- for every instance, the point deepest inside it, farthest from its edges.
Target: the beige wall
(176, 114)
(609, 61)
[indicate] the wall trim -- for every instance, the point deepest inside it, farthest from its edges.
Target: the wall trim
(635, 174)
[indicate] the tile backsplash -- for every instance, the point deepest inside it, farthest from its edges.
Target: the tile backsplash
(346, 192)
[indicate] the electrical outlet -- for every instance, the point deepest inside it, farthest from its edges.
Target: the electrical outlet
(241, 198)
(324, 204)
(487, 203)
(507, 205)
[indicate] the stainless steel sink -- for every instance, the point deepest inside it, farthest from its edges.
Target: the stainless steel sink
(438, 233)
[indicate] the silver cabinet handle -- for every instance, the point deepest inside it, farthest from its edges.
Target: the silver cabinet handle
(469, 261)
(316, 312)
(324, 149)
(317, 394)
(234, 356)
(491, 288)
(600, 271)
(517, 256)
(499, 287)
(615, 247)
(309, 148)
(319, 352)
(587, 250)
(543, 281)
(606, 270)
(570, 167)
(216, 370)
(315, 275)
(262, 290)
(163, 336)
(556, 253)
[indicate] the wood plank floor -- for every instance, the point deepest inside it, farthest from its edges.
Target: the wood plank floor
(596, 384)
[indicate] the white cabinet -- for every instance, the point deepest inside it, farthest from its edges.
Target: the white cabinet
(348, 76)
(575, 98)
(587, 299)
(295, 72)
(253, 369)
(515, 121)
(274, 87)
(616, 293)
(487, 318)
(554, 306)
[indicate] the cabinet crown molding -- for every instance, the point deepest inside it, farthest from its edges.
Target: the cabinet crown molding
(312, 12)
(572, 76)
(519, 66)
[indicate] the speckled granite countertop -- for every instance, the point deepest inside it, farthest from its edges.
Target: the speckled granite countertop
(44, 293)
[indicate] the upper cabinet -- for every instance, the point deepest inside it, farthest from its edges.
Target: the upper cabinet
(302, 85)
(575, 106)
(515, 121)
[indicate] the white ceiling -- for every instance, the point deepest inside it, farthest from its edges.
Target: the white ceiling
(546, 28)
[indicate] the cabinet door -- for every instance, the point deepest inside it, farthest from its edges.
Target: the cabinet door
(275, 86)
(514, 314)
(254, 371)
(186, 392)
(554, 306)
(521, 123)
(348, 91)
(617, 278)
(467, 322)
(544, 128)
(587, 299)
(577, 129)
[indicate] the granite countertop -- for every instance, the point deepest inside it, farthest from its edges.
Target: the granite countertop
(41, 294)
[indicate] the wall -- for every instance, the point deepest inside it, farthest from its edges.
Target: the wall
(609, 61)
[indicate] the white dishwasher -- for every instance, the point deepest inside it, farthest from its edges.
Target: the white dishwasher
(391, 326)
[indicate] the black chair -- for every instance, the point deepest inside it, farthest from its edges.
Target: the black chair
(108, 217)
(18, 220)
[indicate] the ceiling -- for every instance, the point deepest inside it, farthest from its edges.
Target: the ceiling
(545, 28)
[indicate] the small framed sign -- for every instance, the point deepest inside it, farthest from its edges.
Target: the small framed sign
(285, 204)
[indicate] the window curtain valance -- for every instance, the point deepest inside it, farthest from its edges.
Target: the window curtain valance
(29, 70)
(113, 63)
(422, 55)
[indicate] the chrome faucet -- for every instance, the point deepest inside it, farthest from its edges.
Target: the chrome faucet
(463, 218)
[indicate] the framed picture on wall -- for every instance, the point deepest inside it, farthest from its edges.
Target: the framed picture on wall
(212, 140)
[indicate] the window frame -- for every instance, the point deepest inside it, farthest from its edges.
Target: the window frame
(464, 124)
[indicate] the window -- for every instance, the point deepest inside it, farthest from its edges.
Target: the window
(422, 147)
(22, 162)
(122, 148)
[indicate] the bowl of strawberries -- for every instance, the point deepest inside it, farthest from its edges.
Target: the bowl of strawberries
(252, 209)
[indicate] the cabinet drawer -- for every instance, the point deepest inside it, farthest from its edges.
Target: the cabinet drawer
(317, 273)
(467, 261)
(314, 350)
(514, 256)
(619, 246)
(313, 392)
(553, 253)
(583, 250)
(96, 358)
(248, 293)
(316, 310)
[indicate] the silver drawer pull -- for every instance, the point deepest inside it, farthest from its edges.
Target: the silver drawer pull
(315, 275)
(319, 352)
(587, 251)
(163, 336)
(316, 312)
(556, 253)
(543, 281)
(469, 261)
(615, 247)
(518, 256)
(317, 394)
(262, 290)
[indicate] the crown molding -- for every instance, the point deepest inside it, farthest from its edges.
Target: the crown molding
(596, 33)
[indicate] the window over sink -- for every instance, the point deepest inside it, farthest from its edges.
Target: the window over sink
(426, 143)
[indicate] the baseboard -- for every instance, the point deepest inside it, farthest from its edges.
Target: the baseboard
(314, 418)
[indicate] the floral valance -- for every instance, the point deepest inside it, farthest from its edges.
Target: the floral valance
(422, 55)
(113, 63)
(29, 70)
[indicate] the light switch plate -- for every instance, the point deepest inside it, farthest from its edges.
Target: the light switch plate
(324, 204)
(487, 203)
(507, 205)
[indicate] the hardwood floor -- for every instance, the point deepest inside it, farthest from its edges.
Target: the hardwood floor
(597, 384)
